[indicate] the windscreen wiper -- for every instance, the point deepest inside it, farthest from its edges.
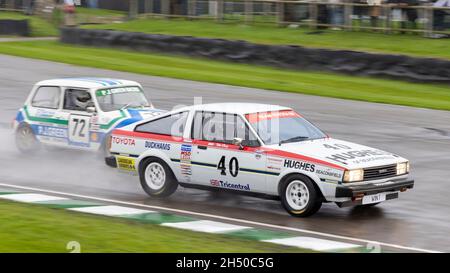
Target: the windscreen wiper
(293, 139)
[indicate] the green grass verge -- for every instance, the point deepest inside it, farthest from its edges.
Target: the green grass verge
(314, 83)
(39, 27)
(99, 12)
(269, 34)
(32, 228)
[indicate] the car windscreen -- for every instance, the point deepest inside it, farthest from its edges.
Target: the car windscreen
(285, 126)
(113, 99)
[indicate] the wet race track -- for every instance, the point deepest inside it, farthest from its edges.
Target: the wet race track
(419, 218)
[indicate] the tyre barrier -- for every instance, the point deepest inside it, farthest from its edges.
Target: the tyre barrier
(14, 27)
(399, 67)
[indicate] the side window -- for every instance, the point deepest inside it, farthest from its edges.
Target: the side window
(171, 125)
(78, 100)
(47, 97)
(222, 127)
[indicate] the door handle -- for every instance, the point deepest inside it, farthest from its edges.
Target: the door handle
(202, 147)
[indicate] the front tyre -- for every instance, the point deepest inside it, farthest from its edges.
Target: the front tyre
(157, 178)
(26, 141)
(299, 196)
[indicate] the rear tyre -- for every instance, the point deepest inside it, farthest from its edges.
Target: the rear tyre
(157, 179)
(26, 141)
(299, 196)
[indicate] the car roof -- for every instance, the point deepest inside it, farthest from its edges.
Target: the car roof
(235, 107)
(88, 82)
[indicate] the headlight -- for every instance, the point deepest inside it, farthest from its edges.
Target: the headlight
(354, 175)
(402, 168)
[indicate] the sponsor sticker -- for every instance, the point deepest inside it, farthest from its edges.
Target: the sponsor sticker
(126, 163)
(299, 165)
(123, 141)
(256, 117)
(51, 131)
(185, 158)
(106, 92)
(359, 156)
(228, 185)
(157, 145)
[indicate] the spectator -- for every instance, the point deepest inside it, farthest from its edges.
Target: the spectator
(28, 6)
(92, 4)
(374, 11)
(336, 14)
(409, 15)
(440, 15)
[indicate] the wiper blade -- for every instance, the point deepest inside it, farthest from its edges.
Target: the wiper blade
(293, 139)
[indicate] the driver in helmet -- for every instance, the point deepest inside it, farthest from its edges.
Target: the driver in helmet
(82, 100)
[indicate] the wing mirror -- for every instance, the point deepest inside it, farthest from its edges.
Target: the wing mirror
(91, 109)
(238, 142)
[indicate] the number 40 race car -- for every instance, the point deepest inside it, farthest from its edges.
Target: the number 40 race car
(256, 149)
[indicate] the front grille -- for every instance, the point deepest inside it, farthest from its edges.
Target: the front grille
(380, 172)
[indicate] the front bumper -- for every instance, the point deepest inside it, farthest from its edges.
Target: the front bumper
(111, 161)
(393, 185)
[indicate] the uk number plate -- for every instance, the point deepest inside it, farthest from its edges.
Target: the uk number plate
(374, 198)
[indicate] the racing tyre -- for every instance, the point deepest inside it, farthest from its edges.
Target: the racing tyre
(26, 141)
(299, 196)
(157, 179)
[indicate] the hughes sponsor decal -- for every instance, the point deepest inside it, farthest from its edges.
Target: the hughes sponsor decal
(373, 154)
(227, 185)
(123, 141)
(157, 145)
(293, 164)
(51, 131)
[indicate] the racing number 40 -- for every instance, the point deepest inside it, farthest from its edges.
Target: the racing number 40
(233, 166)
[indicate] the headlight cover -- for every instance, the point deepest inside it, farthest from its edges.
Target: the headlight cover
(354, 175)
(402, 168)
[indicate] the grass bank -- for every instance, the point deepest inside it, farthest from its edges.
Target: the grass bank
(408, 44)
(39, 26)
(313, 83)
(32, 228)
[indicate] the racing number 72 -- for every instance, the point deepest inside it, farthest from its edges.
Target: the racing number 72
(82, 123)
(233, 165)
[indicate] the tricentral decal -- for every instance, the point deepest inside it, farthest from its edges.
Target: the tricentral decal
(157, 145)
(227, 185)
(123, 141)
(361, 156)
(256, 117)
(293, 164)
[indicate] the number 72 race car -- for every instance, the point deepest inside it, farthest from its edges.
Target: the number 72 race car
(78, 112)
(256, 149)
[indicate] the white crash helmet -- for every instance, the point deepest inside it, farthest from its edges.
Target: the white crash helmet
(82, 99)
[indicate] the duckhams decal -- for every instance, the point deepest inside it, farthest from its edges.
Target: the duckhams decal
(288, 163)
(157, 145)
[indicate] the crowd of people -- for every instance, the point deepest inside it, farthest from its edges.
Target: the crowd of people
(403, 11)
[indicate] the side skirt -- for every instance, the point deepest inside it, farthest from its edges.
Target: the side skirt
(245, 193)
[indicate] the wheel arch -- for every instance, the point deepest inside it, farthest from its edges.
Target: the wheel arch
(156, 154)
(311, 176)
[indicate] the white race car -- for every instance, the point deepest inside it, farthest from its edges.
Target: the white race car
(78, 112)
(256, 149)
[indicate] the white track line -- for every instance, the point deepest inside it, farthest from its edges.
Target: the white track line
(111, 210)
(224, 218)
(206, 226)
